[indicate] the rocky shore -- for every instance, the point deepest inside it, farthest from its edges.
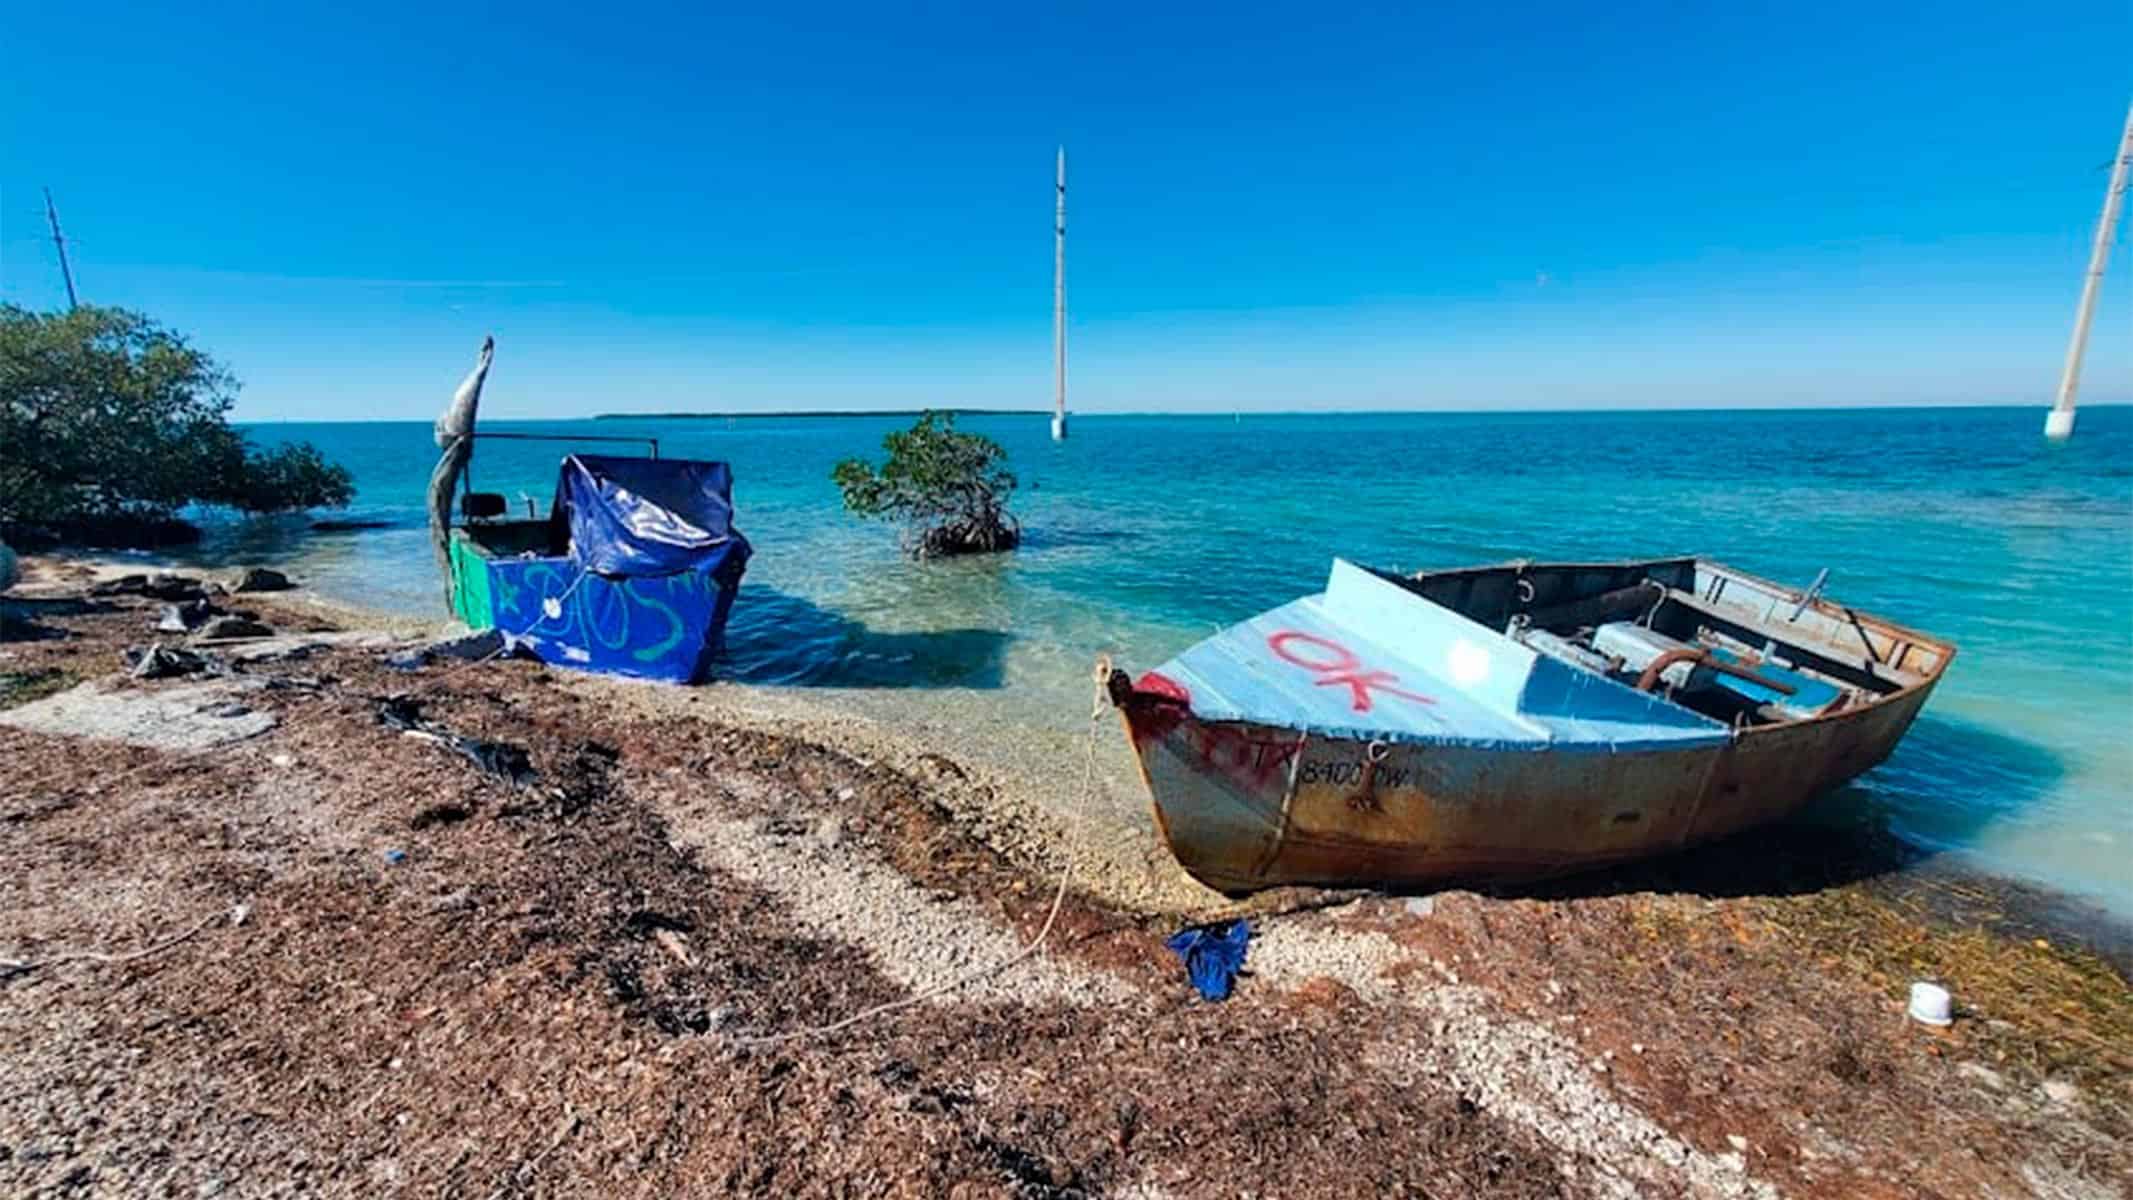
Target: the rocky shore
(297, 912)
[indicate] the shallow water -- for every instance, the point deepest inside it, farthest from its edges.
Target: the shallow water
(1146, 533)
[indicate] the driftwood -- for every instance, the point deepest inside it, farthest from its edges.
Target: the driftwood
(455, 436)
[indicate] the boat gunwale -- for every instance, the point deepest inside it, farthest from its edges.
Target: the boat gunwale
(1918, 682)
(1837, 736)
(1944, 649)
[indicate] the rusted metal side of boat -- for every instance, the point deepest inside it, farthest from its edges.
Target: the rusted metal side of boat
(1437, 793)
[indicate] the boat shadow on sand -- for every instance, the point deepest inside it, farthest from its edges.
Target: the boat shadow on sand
(778, 638)
(1893, 823)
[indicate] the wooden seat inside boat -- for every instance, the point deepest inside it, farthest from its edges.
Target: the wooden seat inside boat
(1726, 644)
(520, 538)
(1746, 683)
(483, 506)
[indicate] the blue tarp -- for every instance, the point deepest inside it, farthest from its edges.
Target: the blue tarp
(648, 516)
(1213, 955)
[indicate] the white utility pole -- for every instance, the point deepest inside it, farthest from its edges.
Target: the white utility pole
(2059, 423)
(1059, 430)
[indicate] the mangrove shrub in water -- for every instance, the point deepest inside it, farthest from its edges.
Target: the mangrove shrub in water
(111, 423)
(948, 488)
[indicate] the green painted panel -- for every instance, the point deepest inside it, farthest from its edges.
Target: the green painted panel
(470, 584)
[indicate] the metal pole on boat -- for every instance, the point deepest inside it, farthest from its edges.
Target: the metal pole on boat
(1059, 422)
(2059, 423)
(51, 215)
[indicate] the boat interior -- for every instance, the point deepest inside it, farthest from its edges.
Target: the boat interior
(488, 523)
(1711, 639)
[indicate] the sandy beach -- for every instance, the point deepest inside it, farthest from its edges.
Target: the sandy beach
(258, 938)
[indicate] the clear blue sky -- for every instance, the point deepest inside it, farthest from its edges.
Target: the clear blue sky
(1287, 207)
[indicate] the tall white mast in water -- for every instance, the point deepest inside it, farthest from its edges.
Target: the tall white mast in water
(1059, 307)
(2059, 422)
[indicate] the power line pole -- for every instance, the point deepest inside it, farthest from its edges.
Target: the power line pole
(1059, 422)
(51, 214)
(2059, 423)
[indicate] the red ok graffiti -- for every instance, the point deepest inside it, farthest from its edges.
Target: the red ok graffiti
(1342, 667)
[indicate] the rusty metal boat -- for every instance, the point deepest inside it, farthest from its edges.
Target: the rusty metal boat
(1512, 722)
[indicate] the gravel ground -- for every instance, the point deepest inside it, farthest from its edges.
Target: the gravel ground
(445, 983)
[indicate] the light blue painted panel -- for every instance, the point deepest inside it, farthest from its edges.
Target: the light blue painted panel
(1298, 668)
(1489, 668)
(1369, 659)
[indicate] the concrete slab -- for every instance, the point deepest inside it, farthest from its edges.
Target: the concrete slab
(183, 718)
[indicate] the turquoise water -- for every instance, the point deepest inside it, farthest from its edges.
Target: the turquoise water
(1146, 533)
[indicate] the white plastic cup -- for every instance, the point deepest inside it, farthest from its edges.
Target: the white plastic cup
(1931, 1004)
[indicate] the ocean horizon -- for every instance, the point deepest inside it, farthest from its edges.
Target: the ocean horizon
(1076, 414)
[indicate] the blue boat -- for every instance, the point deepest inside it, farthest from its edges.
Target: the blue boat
(632, 572)
(1512, 721)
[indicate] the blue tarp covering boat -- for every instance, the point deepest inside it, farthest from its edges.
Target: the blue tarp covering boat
(1518, 720)
(646, 517)
(633, 571)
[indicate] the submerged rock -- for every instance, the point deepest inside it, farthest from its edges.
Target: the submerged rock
(178, 589)
(158, 661)
(471, 647)
(232, 626)
(188, 616)
(9, 571)
(260, 579)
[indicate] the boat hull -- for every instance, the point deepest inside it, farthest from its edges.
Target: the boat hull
(1245, 806)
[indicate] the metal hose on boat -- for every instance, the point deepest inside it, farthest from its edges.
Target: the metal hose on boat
(1650, 679)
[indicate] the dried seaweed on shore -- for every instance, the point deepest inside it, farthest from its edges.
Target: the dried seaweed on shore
(548, 994)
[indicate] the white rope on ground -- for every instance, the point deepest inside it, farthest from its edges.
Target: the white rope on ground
(23, 966)
(1036, 944)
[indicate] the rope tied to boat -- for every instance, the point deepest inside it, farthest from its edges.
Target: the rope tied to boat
(1365, 797)
(552, 606)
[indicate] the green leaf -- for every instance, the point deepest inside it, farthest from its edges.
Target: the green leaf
(106, 414)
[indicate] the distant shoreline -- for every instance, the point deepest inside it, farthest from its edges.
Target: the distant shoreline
(826, 413)
(1759, 410)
